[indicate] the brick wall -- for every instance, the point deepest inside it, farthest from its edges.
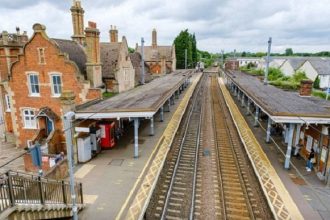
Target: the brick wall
(19, 83)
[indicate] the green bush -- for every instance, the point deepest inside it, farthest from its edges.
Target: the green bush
(298, 76)
(316, 84)
(107, 95)
(274, 74)
(288, 85)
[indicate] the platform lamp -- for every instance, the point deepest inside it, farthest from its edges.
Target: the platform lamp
(267, 61)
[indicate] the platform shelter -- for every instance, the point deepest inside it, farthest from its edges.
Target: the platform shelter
(305, 119)
(142, 102)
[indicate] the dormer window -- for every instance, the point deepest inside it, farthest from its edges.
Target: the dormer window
(41, 54)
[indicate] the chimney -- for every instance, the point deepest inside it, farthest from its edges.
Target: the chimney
(154, 38)
(4, 37)
(113, 34)
(77, 13)
(93, 65)
(306, 86)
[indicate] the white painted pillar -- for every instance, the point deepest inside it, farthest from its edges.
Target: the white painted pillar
(269, 125)
(286, 135)
(136, 137)
(298, 127)
(256, 117)
(152, 131)
(242, 99)
(248, 107)
(288, 151)
(162, 113)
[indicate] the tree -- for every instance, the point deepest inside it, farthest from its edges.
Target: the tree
(182, 42)
(316, 84)
(288, 52)
(194, 49)
(243, 54)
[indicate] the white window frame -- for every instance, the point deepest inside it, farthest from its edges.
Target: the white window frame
(29, 143)
(30, 123)
(41, 55)
(34, 94)
(7, 98)
(59, 86)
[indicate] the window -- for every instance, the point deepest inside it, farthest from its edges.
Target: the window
(29, 119)
(56, 85)
(29, 143)
(7, 103)
(41, 54)
(34, 84)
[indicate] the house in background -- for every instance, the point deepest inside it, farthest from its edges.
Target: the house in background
(160, 59)
(117, 68)
(275, 62)
(243, 61)
(291, 65)
(317, 67)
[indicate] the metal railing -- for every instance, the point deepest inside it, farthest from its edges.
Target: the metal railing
(20, 188)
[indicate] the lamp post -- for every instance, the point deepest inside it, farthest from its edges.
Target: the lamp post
(267, 62)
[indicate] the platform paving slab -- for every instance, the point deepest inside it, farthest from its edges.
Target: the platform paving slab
(8, 151)
(310, 194)
(113, 173)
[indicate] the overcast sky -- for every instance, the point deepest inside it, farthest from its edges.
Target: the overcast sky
(244, 25)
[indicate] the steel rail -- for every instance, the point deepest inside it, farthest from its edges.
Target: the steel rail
(168, 194)
(248, 202)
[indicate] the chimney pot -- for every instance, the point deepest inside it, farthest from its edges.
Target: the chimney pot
(91, 24)
(306, 87)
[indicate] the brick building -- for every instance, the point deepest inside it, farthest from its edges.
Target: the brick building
(160, 59)
(117, 68)
(48, 79)
(11, 44)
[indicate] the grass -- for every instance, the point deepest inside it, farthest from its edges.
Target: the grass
(107, 95)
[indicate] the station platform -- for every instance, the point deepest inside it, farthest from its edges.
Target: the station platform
(113, 180)
(276, 193)
(311, 195)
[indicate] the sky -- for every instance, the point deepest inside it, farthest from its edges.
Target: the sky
(244, 25)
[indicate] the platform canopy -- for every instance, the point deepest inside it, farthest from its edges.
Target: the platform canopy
(142, 101)
(280, 105)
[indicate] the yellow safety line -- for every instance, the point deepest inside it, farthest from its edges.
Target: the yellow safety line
(279, 199)
(142, 197)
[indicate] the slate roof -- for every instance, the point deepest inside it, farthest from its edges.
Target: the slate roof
(155, 54)
(136, 62)
(75, 52)
(321, 65)
(296, 62)
(109, 58)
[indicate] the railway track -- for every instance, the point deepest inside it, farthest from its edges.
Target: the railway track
(236, 201)
(207, 175)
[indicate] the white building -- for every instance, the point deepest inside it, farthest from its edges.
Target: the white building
(243, 61)
(291, 65)
(317, 66)
(275, 62)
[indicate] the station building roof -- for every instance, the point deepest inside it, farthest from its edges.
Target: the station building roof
(281, 105)
(142, 101)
